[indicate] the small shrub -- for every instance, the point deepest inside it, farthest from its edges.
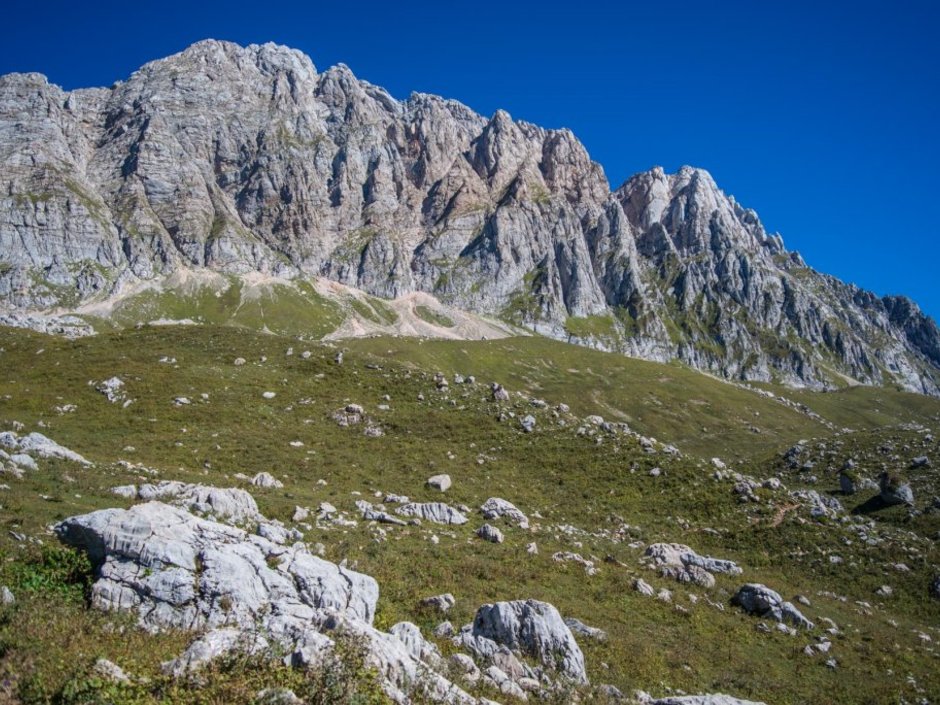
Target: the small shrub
(60, 570)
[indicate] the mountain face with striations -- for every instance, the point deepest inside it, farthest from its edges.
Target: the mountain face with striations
(246, 159)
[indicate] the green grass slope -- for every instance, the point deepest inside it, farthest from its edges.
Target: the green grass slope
(586, 492)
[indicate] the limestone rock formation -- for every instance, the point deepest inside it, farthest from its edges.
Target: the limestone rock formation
(248, 160)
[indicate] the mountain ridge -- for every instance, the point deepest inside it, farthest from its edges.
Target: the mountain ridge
(246, 159)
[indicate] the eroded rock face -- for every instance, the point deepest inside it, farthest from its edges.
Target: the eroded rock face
(36, 444)
(228, 504)
(710, 699)
(681, 563)
(437, 512)
(247, 159)
(496, 507)
(177, 570)
(535, 629)
(760, 600)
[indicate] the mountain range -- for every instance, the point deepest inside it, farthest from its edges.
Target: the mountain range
(247, 160)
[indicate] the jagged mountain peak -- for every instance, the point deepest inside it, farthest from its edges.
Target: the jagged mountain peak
(246, 159)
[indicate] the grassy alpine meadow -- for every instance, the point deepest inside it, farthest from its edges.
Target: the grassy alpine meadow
(190, 413)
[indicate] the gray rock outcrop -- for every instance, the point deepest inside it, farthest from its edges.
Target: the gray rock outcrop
(179, 571)
(38, 445)
(533, 628)
(760, 600)
(248, 159)
(679, 562)
(710, 699)
(436, 512)
(894, 490)
(496, 507)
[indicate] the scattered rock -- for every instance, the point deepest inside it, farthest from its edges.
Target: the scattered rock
(439, 482)
(437, 512)
(113, 389)
(442, 603)
(679, 562)
(40, 445)
(110, 671)
(711, 699)
(490, 533)
(581, 629)
(495, 507)
(227, 504)
(847, 483)
(532, 628)
(894, 490)
(528, 423)
(499, 393)
(569, 556)
(6, 596)
(266, 479)
(370, 513)
(761, 601)
(643, 587)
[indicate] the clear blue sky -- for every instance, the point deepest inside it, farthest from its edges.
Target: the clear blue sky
(823, 116)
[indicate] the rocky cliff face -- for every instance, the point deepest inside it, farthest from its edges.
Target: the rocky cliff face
(248, 160)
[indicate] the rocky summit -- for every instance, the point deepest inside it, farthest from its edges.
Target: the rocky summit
(250, 165)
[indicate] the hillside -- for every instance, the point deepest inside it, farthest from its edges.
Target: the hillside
(248, 162)
(217, 405)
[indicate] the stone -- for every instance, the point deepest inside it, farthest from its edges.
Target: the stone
(436, 512)
(230, 504)
(581, 629)
(268, 395)
(110, 671)
(419, 647)
(444, 630)
(113, 389)
(711, 699)
(211, 645)
(26, 462)
(441, 603)
(820, 505)
(266, 479)
(242, 592)
(277, 696)
(371, 513)
(499, 393)
(759, 600)
(239, 361)
(535, 629)
(36, 444)
(894, 491)
(571, 557)
(439, 482)
(495, 507)
(6, 596)
(490, 533)
(679, 562)
(847, 483)
(643, 587)
(178, 547)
